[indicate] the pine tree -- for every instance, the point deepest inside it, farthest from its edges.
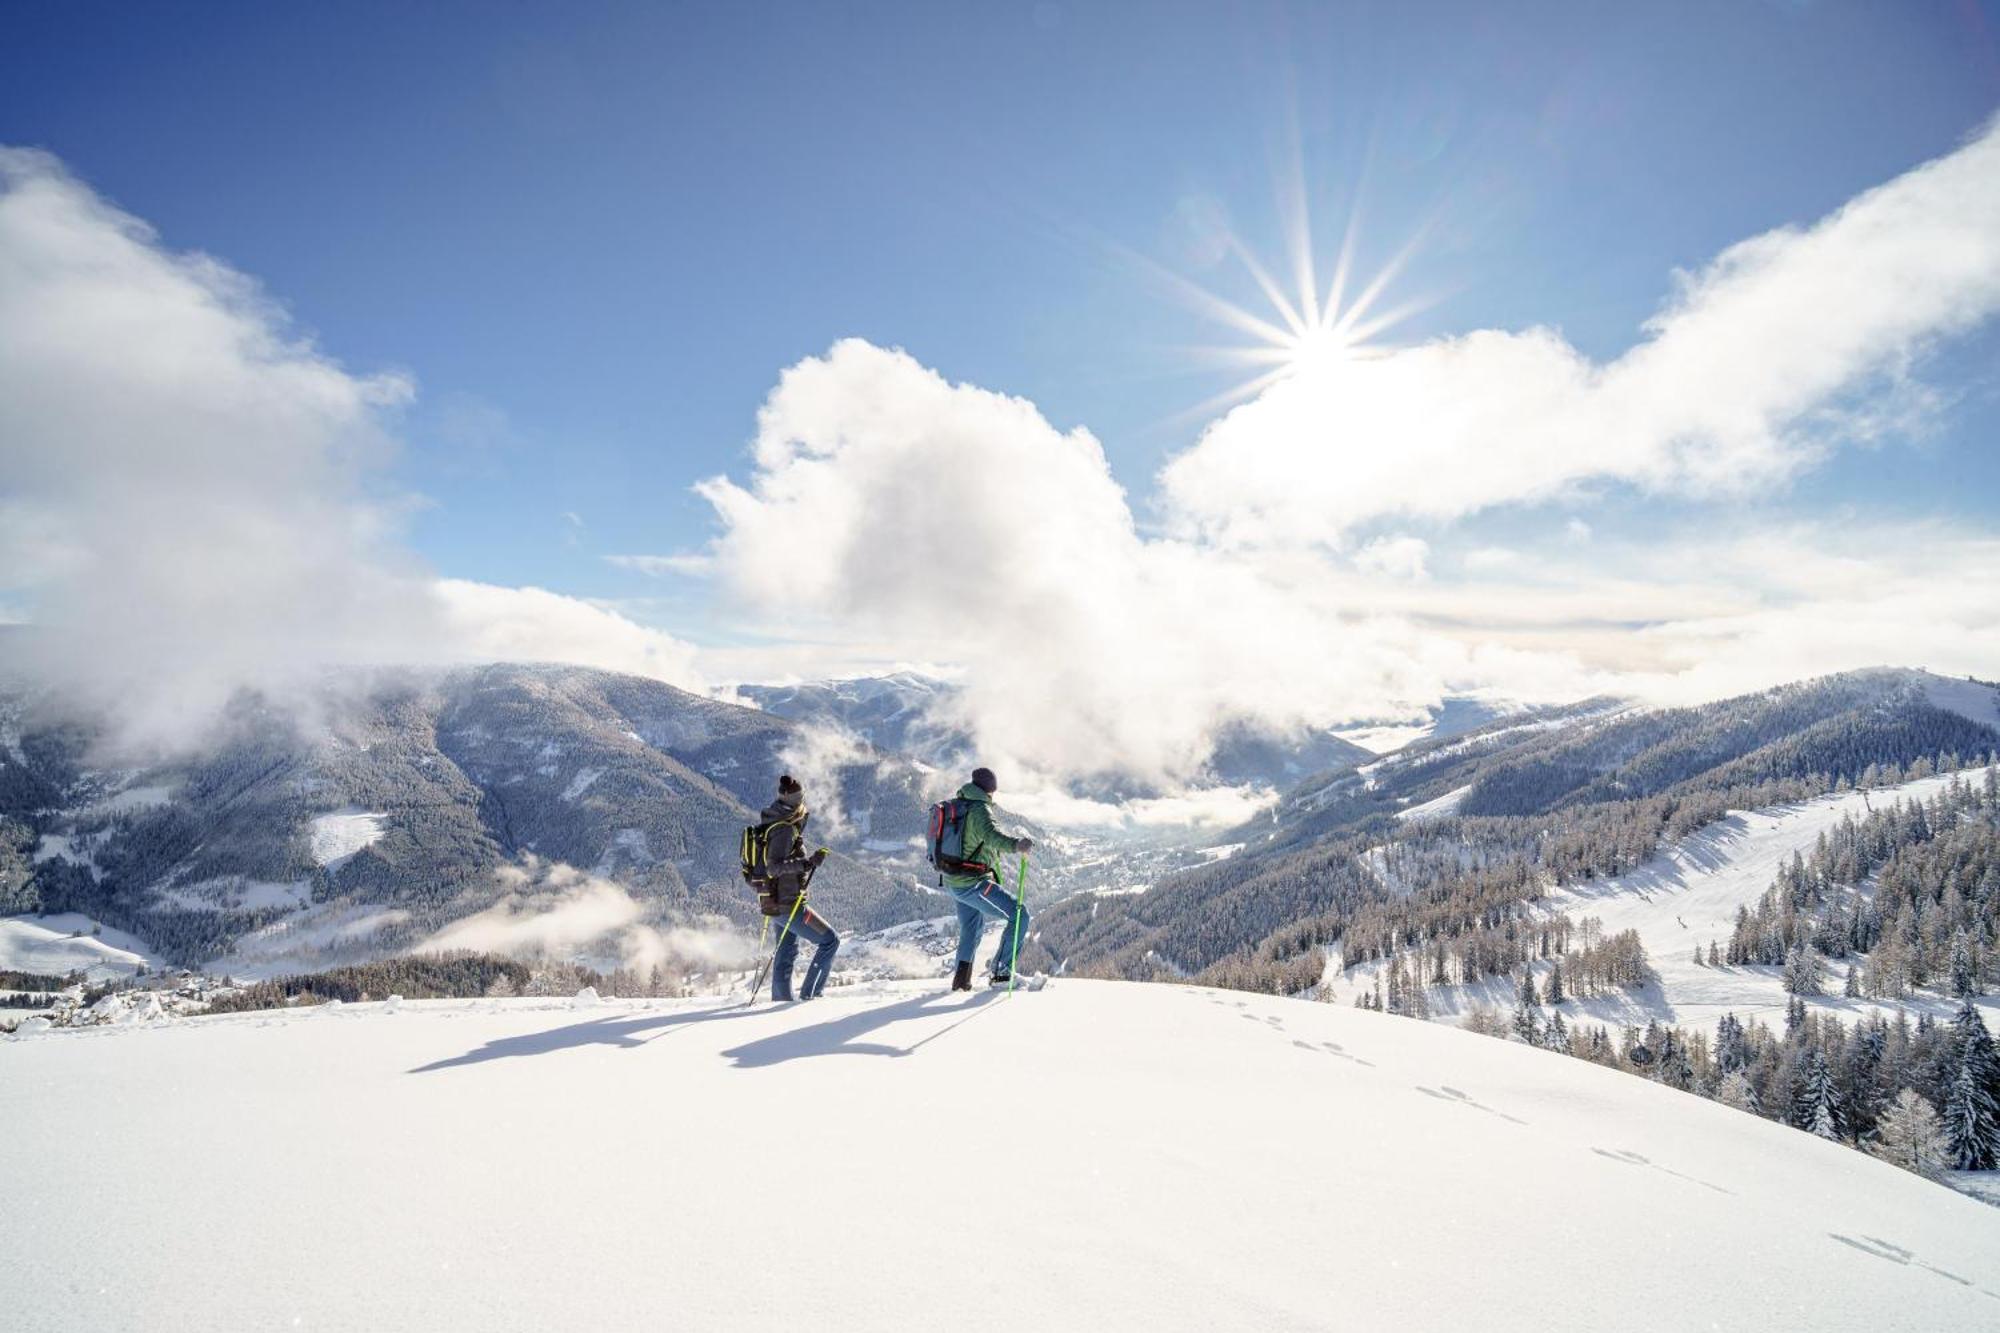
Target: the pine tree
(1527, 1012)
(1852, 990)
(1911, 1136)
(1971, 1117)
(1554, 994)
(1556, 1035)
(1737, 1092)
(1964, 976)
(1818, 1109)
(1802, 975)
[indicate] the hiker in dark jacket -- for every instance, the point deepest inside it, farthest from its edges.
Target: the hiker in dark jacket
(979, 894)
(790, 867)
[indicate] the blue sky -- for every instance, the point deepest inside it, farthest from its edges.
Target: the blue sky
(594, 237)
(609, 226)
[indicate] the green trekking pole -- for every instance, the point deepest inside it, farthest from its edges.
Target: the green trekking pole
(1020, 901)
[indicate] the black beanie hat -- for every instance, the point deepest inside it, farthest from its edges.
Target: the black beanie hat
(983, 779)
(789, 786)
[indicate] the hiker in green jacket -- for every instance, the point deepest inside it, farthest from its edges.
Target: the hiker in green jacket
(978, 892)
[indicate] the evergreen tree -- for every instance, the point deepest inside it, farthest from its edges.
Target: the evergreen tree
(1554, 994)
(1802, 976)
(1737, 1091)
(1556, 1035)
(1852, 990)
(1818, 1110)
(1527, 1011)
(1964, 976)
(1971, 1116)
(1911, 1136)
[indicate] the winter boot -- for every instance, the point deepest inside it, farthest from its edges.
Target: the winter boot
(1001, 976)
(961, 979)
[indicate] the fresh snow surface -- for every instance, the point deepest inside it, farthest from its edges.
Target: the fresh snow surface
(60, 944)
(1438, 806)
(1099, 1155)
(338, 836)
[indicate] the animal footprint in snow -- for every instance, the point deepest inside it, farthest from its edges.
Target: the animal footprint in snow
(1453, 1095)
(1335, 1048)
(1634, 1159)
(1897, 1253)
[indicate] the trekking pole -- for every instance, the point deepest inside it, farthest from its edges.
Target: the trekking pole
(1020, 901)
(771, 957)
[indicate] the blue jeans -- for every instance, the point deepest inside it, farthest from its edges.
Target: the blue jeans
(806, 924)
(980, 901)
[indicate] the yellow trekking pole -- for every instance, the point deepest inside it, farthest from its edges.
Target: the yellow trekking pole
(771, 957)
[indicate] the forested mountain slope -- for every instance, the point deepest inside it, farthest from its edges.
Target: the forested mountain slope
(1477, 826)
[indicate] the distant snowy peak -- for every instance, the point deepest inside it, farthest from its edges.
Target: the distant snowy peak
(905, 712)
(1454, 715)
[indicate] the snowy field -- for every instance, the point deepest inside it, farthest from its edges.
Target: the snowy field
(1098, 1155)
(1685, 896)
(1689, 894)
(336, 837)
(59, 944)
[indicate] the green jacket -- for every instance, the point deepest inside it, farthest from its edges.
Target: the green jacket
(983, 842)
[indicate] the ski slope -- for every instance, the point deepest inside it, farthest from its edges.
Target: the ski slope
(1098, 1155)
(1684, 896)
(1689, 893)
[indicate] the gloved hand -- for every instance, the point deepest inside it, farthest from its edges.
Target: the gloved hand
(817, 858)
(1024, 845)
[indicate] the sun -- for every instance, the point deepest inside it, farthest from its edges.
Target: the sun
(1317, 354)
(1312, 334)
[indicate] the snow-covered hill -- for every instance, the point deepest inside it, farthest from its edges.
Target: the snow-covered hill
(1687, 896)
(54, 946)
(1098, 1155)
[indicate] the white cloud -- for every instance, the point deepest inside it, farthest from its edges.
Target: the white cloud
(1395, 557)
(661, 566)
(484, 623)
(553, 910)
(947, 522)
(1747, 375)
(188, 485)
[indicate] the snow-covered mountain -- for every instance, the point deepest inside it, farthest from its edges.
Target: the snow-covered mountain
(1095, 1155)
(416, 800)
